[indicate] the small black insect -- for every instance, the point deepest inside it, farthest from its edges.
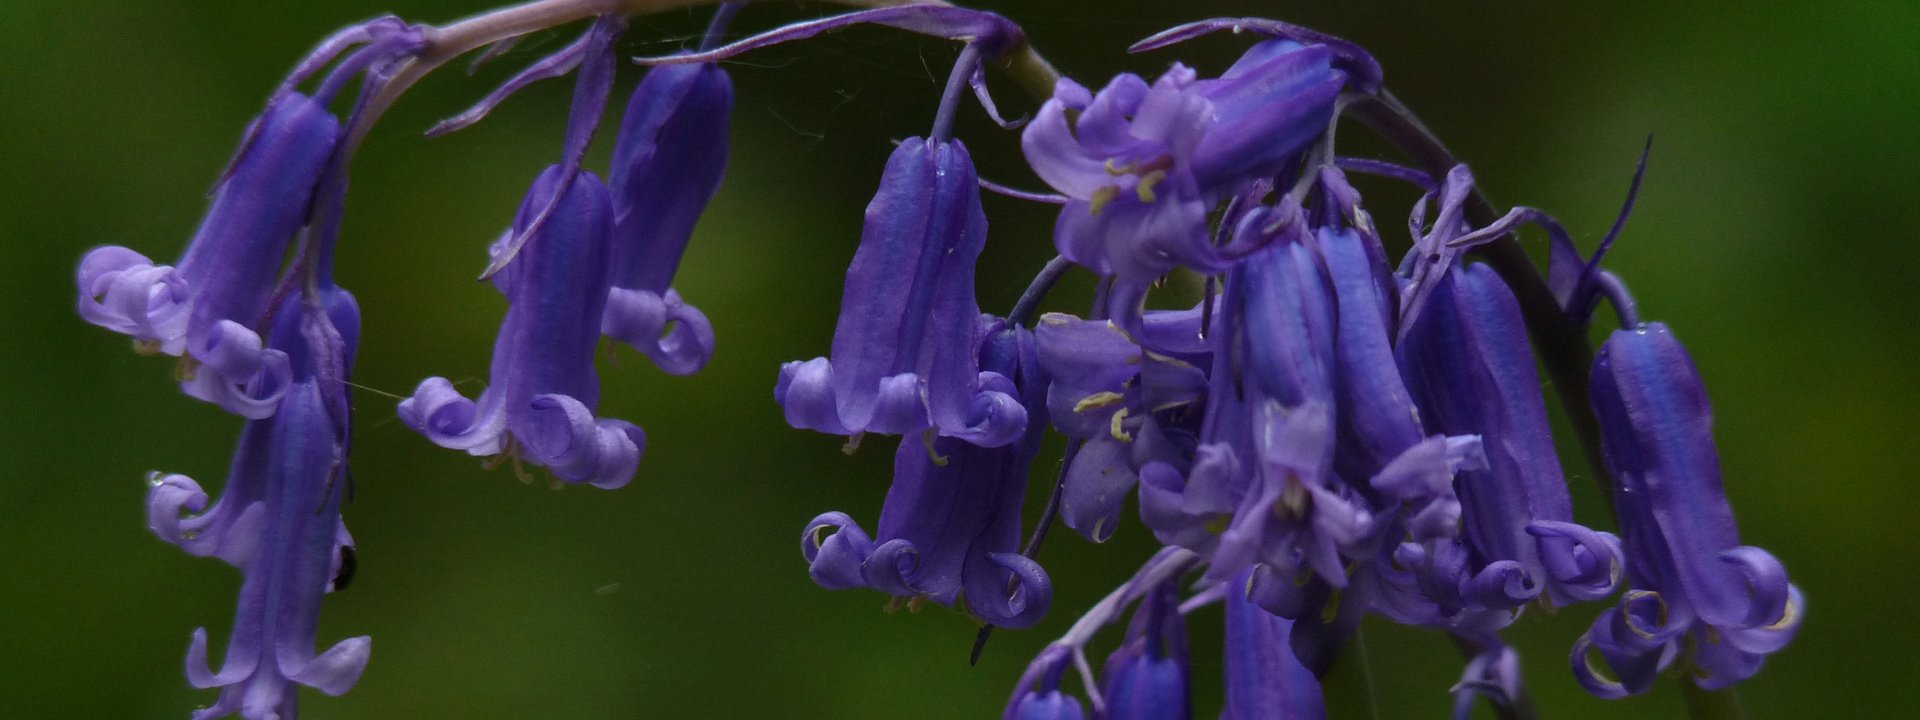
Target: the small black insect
(348, 564)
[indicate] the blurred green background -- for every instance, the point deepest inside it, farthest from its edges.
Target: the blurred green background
(1774, 235)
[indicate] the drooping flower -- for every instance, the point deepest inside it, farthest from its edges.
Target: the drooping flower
(278, 520)
(212, 303)
(667, 164)
(1146, 678)
(1468, 360)
(1264, 681)
(903, 351)
(1129, 405)
(1696, 588)
(950, 527)
(1143, 164)
(1038, 695)
(543, 389)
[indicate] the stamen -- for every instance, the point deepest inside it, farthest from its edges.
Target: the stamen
(926, 437)
(1114, 429)
(1145, 188)
(1101, 197)
(1098, 400)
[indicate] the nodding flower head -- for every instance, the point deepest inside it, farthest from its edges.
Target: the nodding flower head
(543, 389)
(1146, 678)
(1695, 586)
(667, 164)
(1263, 678)
(1468, 360)
(212, 303)
(278, 520)
(1143, 164)
(1038, 696)
(903, 352)
(950, 527)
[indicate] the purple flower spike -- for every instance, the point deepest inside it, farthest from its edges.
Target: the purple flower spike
(539, 405)
(902, 358)
(1146, 679)
(279, 522)
(992, 34)
(1038, 695)
(1142, 164)
(1467, 359)
(1694, 580)
(212, 302)
(950, 527)
(671, 154)
(1264, 681)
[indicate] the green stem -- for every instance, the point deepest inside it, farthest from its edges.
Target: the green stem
(1705, 704)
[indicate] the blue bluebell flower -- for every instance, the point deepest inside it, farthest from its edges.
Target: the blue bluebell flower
(1695, 587)
(278, 520)
(1264, 681)
(667, 164)
(539, 404)
(950, 528)
(903, 355)
(1147, 677)
(1038, 695)
(210, 305)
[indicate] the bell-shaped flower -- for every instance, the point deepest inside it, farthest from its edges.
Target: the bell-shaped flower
(279, 522)
(1112, 394)
(540, 400)
(1381, 436)
(212, 303)
(1693, 580)
(667, 164)
(903, 352)
(1294, 509)
(950, 527)
(1146, 678)
(1143, 164)
(1038, 695)
(1264, 681)
(1468, 361)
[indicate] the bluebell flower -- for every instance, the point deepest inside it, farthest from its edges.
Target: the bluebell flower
(540, 400)
(1468, 360)
(950, 527)
(1695, 587)
(278, 520)
(903, 351)
(667, 164)
(1107, 390)
(1264, 681)
(1147, 677)
(1143, 164)
(1038, 695)
(211, 304)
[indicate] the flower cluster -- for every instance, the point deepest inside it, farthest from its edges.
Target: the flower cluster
(1321, 434)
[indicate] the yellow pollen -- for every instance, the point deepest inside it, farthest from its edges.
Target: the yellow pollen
(146, 347)
(1145, 188)
(1115, 430)
(1117, 171)
(1101, 197)
(926, 437)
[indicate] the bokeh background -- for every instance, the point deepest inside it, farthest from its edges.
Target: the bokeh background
(1775, 235)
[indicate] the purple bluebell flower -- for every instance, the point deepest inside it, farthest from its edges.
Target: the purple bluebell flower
(1695, 586)
(1143, 164)
(1038, 695)
(1264, 681)
(1467, 358)
(1107, 390)
(539, 404)
(903, 352)
(211, 304)
(668, 161)
(1494, 673)
(1147, 677)
(950, 527)
(278, 520)
(1294, 510)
